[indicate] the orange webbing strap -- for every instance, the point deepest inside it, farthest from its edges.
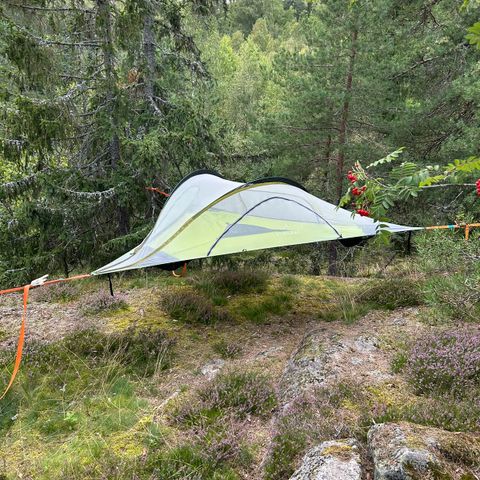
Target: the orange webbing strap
(154, 189)
(183, 273)
(21, 341)
(466, 226)
(21, 336)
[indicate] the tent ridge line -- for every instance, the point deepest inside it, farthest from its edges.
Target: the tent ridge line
(262, 202)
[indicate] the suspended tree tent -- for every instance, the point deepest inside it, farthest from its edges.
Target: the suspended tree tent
(207, 215)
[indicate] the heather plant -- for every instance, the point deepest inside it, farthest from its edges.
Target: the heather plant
(57, 293)
(446, 362)
(317, 415)
(345, 305)
(191, 307)
(102, 302)
(236, 392)
(227, 350)
(223, 441)
(219, 285)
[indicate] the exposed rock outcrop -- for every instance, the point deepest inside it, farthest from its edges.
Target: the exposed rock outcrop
(307, 368)
(332, 460)
(405, 451)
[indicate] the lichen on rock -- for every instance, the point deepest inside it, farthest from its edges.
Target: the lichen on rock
(334, 459)
(406, 451)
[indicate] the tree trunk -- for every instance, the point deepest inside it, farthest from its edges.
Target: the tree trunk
(105, 22)
(342, 135)
(150, 63)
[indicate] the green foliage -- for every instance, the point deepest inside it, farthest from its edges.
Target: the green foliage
(80, 392)
(391, 293)
(473, 35)
(451, 287)
(404, 182)
(237, 392)
(219, 285)
(191, 307)
(258, 310)
(189, 461)
(227, 350)
(345, 304)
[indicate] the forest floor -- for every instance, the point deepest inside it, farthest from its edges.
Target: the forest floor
(53, 423)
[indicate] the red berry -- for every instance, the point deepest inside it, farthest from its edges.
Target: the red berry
(363, 213)
(356, 191)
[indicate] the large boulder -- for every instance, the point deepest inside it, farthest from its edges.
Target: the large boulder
(332, 460)
(405, 451)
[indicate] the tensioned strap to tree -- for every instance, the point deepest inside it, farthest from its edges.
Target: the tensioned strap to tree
(21, 336)
(155, 189)
(466, 226)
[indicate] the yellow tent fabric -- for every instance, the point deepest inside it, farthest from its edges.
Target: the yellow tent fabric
(207, 215)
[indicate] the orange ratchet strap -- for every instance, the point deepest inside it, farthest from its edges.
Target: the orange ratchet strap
(154, 189)
(183, 272)
(21, 336)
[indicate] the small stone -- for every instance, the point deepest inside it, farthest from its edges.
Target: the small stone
(211, 369)
(331, 460)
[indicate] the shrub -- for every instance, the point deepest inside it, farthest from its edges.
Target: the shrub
(345, 304)
(449, 361)
(227, 350)
(317, 415)
(220, 284)
(391, 293)
(56, 293)
(235, 392)
(242, 281)
(191, 307)
(101, 302)
(246, 392)
(141, 351)
(223, 442)
(452, 271)
(257, 310)
(290, 282)
(453, 297)
(188, 462)
(444, 411)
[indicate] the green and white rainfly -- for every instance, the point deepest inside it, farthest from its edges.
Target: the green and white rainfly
(207, 215)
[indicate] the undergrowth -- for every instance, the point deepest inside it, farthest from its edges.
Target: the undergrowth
(191, 307)
(102, 302)
(80, 393)
(257, 310)
(218, 286)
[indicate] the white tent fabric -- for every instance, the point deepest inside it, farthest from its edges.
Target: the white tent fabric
(207, 215)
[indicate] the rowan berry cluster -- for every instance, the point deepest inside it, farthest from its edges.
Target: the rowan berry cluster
(352, 178)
